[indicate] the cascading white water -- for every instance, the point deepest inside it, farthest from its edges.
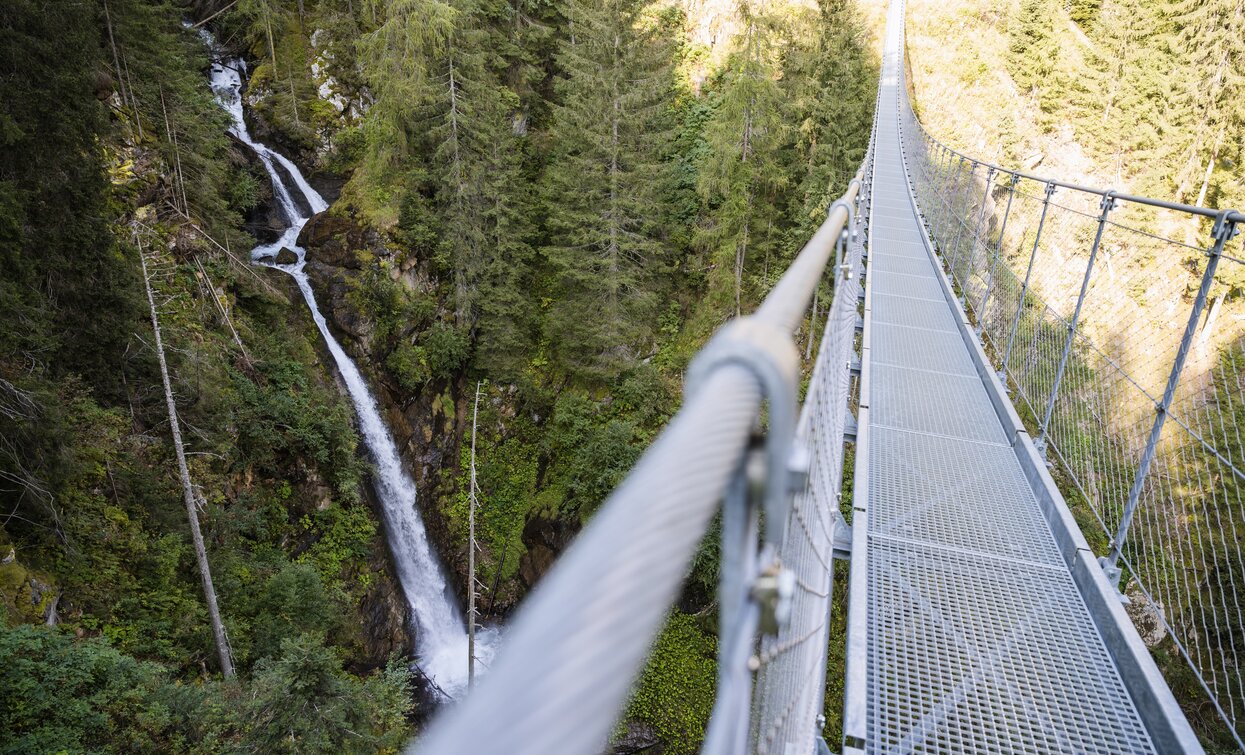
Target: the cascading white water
(441, 639)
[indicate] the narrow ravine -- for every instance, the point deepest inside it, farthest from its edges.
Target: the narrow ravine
(440, 636)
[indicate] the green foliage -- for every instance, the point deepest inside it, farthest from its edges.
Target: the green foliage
(60, 695)
(67, 695)
(675, 692)
(445, 349)
(742, 180)
(282, 416)
(1033, 48)
(605, 182)
(301, 701)
(66, 291)
(1084, 12)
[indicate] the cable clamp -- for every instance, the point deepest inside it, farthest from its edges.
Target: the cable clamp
(769, 353)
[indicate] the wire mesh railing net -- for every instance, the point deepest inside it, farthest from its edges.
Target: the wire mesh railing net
(1127, 378)
(792, 664)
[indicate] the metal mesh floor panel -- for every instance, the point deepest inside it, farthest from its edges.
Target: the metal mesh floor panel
(933, 402)
(906, 249)
(914, 265)
(970, 654)
(978, 639)
(925, 349)
(894, 232)
(889, 309)
(959, 494)
(901, 284)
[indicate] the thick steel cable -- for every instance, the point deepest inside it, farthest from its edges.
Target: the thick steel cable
(573, 652)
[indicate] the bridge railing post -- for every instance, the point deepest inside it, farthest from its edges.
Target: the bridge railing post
(949, 211)
(1024, 288)
(1224, 229)
(998, 254)
(1108, 203)
(942, 190)
(960, 222)
(976, 231)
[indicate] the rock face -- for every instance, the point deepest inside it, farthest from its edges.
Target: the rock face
(635, 737)
(286, 257)
(26, 595)
(427, 425)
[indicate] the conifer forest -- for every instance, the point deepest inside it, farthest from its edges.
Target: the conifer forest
(324, 323)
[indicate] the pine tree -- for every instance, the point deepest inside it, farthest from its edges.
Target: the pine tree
(831, 81)
(605, 181)
(1127, 84)
(478, 160)
(1209, 102)
(1084, 12)
(445, 115)
(1033, 47)
(743, 178)
(395, 59)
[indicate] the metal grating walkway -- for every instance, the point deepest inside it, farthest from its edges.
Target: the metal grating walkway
(977, 635)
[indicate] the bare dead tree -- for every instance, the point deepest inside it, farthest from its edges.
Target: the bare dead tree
(192, 513)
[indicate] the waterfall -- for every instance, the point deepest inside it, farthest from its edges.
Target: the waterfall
(441, 639)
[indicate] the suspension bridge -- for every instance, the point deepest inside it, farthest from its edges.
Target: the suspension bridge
(990, 331)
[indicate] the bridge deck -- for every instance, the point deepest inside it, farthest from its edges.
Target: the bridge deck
(978, 638)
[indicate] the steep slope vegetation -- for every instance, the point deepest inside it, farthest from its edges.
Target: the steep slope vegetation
(1143, 96)
(559, 201)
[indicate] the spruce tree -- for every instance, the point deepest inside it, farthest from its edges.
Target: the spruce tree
(605, 181)
(743, 178)
(477, 158)
(395, 59)
(1084, 12)
(830, 82)
(1033, 47)
(1209, 101)
(1122, 108)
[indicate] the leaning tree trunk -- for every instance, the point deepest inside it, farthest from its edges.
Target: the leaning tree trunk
(209, 592)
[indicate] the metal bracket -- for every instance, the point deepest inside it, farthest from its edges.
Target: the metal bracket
(769, 353)
(773, 592)
(1224, 229)
(842, 270)
(850, 428)
(841, 547)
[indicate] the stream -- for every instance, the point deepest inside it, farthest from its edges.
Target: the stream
(440, 635)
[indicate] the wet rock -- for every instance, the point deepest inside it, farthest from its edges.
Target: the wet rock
(286, 257)
(265, 221)
(333, 240)
(1145, 616)
(545, 540)
(384, 613)
(635, 737)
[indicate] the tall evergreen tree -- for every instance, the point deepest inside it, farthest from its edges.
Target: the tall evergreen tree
(1209, 102)
(1084, 12)
(1127, 82)
(395, 59)
(1033, 49)
(605, 180)
(743, 177)
(831, 82)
